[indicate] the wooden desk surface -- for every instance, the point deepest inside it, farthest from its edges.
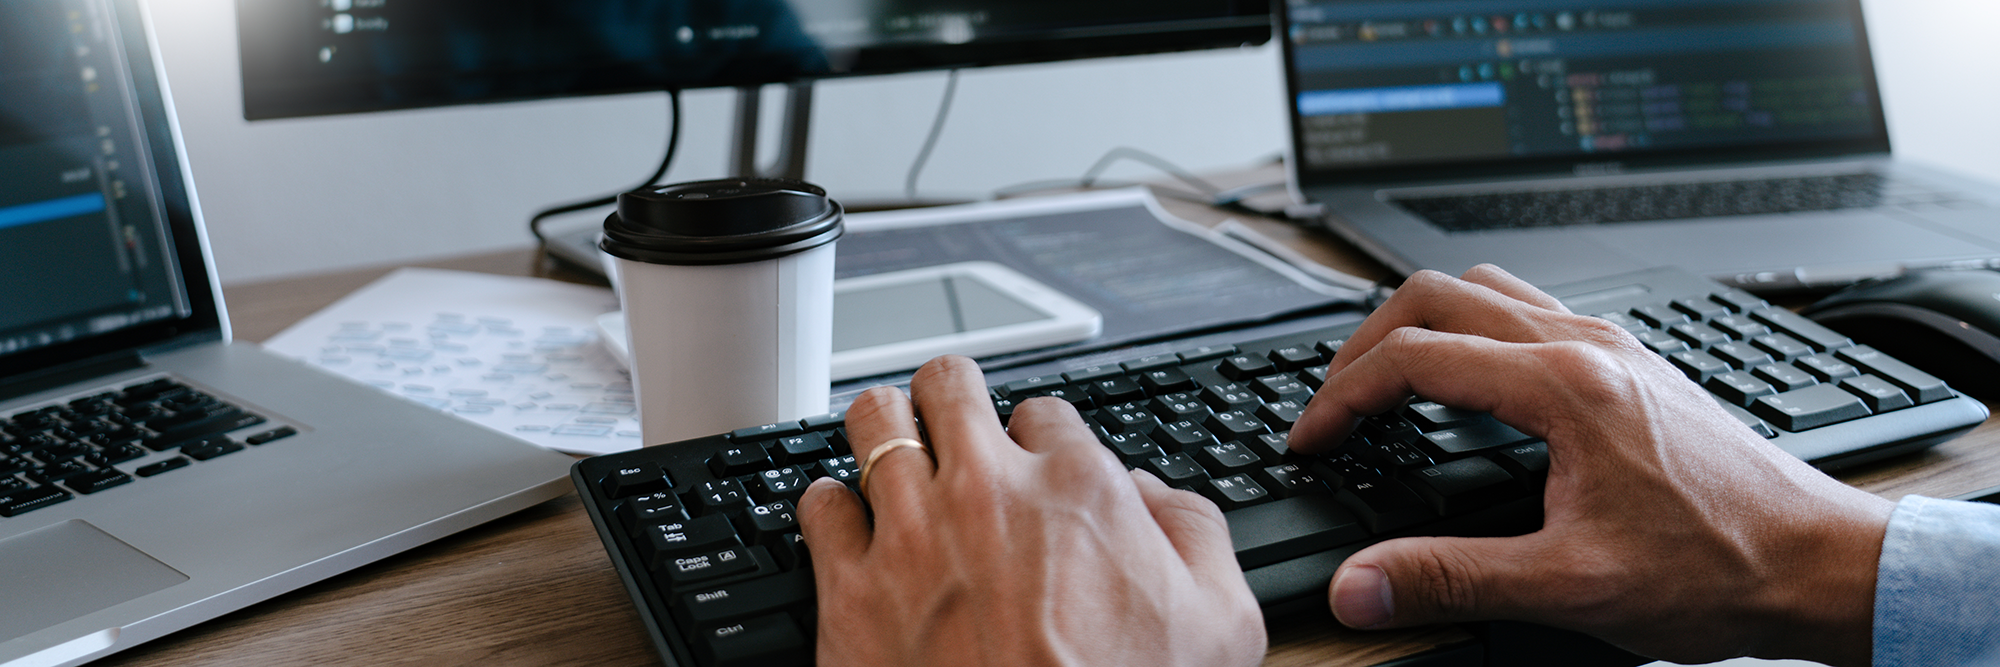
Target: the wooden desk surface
(536, 588)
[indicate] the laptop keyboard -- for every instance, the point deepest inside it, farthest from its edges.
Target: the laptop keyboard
(87, 445)
(1644, 203)
(705, 531)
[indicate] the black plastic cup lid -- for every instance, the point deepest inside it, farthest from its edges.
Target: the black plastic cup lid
(726, 221)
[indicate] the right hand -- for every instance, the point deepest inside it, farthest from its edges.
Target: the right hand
(1671, 529)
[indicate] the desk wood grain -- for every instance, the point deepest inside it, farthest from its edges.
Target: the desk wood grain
(536, 588)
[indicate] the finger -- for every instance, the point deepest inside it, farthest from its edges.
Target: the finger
(1432, 300)
(1194, 526)
(1499, 280)
(1426, 580)
(899, 477)
(1044, 425)
(951, 397)
(833, 522)
(1507, 379)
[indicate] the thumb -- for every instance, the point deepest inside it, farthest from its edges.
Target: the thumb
(1427, 580)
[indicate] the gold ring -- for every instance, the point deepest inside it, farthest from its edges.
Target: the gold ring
(884, 448)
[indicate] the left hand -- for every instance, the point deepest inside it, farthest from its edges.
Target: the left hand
(1028, 545)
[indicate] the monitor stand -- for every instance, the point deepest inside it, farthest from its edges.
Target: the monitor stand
(573, 242)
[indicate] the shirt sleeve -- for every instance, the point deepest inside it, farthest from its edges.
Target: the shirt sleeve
(1937, 588)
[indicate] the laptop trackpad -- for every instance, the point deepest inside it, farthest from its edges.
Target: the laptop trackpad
(65, 571)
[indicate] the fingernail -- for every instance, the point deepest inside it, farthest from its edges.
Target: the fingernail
(1361, 597)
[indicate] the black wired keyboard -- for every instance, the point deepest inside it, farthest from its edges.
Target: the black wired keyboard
(705, 533)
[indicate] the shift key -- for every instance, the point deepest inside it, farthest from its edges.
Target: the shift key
(704, 608)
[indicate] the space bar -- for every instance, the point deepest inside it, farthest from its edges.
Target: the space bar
(1289, 528)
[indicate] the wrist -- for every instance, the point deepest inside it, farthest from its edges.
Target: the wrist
(1821, 597)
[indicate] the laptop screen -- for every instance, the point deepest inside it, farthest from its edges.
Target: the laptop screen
(87, 251)
(1387, 83)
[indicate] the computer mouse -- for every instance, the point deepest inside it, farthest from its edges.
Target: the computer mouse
(1944, 322)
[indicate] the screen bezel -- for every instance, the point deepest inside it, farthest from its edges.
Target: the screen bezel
(1513, 166)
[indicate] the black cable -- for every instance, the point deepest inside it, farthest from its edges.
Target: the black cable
(673, 146)
(930, 142)
(1128, 153)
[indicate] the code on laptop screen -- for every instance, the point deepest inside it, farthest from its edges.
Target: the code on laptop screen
(1381, 82)
(83, 249)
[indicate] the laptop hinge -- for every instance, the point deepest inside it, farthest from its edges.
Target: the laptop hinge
(50, 378)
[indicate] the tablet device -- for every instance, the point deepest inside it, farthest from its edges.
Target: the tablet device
(896, 321)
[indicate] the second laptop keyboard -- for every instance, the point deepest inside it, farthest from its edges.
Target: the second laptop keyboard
(705, 532)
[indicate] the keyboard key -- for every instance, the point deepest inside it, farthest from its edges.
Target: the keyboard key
(218, 422)
(1700, 309)
(158, 467)
(1922, 387)
(635, 479)
(272, 435)
(787, 483)
(1285, 529)
(1108, 391)
(720, 495)
(95, 481)
(1233, 492)
(771, 640)
(1165, 381)
(1661, 342)
(1659, 315)
(1207, 352)
(1738, 387)
(1699, 336)
(652, 509)
(1699, 366)
(1295, 357)
(766, 432)
(1235, 425)
(1782, 347)
(1813, 333)
(659, 544)
(840, 468)
(1809, 408)
(1228, 459)
(1244, 367)
(1132, 448)
(1149, 363)
(1032, 385)
(1272, 448)
(1478, 436)
(1464, 485)
(739, 460)
(1384, 505)
(1431, 416)
(18, 502)
(1222, 398)
(828, 421)
(1624, 321)
(1756, 425)
(1878, 394)
(1183, 436)
(798, 448)
(1740, 356)
(1089, 374)
(1738, 300)
(691, 570)
(1739, 327)
(1280, 415)
(1528, 463)
(1178, 407)
(713, 607)
(1290, 479)
(1828, 368)
(1177, 470)
(1785, 377)
(1127, 418)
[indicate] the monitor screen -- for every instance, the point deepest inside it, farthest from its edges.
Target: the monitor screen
(1381, 83)
(312, 57)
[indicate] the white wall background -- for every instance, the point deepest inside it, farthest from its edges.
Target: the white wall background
(309, 195)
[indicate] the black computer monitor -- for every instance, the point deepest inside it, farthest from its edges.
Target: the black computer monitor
(315, 57)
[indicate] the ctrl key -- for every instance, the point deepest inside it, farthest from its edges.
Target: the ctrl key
(772, 639)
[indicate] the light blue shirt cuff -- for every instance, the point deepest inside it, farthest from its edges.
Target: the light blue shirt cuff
(1937, 589)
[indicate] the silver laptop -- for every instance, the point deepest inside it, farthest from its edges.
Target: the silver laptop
(1565, 139)
(153, 475)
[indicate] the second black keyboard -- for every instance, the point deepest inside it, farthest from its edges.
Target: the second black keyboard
(705, 533)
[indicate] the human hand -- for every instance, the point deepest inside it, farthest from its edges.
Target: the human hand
(1670, 529)
(1028, 545)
